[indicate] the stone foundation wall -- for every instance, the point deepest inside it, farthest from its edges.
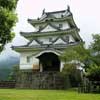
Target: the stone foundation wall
(7, 84)
(40, 80)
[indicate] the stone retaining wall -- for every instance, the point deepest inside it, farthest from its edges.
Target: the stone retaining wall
(40, 80)
(7, 84)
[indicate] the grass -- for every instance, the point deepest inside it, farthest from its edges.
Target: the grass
(17, 94)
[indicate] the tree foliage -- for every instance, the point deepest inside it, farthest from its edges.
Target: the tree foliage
(90, 57)
(93, 73)
(14, 73)
(71, 71)
(7, 20)
(95, 49)
(77, 53)
(95, 45)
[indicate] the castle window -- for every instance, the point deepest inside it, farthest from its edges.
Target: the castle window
(28, 59)
(60, 25)
(62, 16)
(67, 38)
(51, 19)
(40, 28)
(46, 20)
(50, 39)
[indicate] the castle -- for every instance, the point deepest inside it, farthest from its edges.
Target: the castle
(39, 59)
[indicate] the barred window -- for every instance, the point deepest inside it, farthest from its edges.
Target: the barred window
(60, 25)
(50, 39)
(28, 59)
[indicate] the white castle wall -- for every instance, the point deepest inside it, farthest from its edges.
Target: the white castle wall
(65, 25)
(28, 63)
(34, 61)
(28, 59)
(46, 40)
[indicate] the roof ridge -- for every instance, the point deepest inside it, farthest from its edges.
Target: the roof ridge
(59, 11)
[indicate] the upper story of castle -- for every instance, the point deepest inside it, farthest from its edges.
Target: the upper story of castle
(52, 23)
(53, 30)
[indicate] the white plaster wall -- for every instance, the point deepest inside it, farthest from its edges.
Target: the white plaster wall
(36, 28)
(60, 41)
(65, 25)
(61, 66)
(49, 28)
(71, 39)
(34, 62)
(28, 65)
(45, 40)
(22, 58)
(34, 43)
(58, 15)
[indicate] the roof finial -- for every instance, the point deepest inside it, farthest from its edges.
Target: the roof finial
(68, 8)
(43, 11)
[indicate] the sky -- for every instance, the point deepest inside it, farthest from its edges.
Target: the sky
(85, 12)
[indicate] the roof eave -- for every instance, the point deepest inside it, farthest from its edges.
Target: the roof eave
(34, 22)
(37, 34)
(23, 48)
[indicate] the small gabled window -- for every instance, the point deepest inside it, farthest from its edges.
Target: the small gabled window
(60, 25)
(40, 28)
(51, 19)
(50, 39)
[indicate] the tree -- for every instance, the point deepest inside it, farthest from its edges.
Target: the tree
(75, 53)
(93, 72)
(95, 45)
(90, 57)
(7, 20)
(14, 73)
(95, 49)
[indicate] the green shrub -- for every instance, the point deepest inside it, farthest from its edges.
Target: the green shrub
(93, 73)
(72, 73)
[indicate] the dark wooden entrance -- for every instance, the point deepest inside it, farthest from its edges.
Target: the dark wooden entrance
(49, 62)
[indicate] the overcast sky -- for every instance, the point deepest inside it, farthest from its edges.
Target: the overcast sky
(85, 12)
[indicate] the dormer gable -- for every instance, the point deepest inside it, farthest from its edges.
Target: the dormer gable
(49, 28)
(34, 42)
(60, 41)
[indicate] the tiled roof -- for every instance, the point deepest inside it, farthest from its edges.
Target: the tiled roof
(26, 34)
